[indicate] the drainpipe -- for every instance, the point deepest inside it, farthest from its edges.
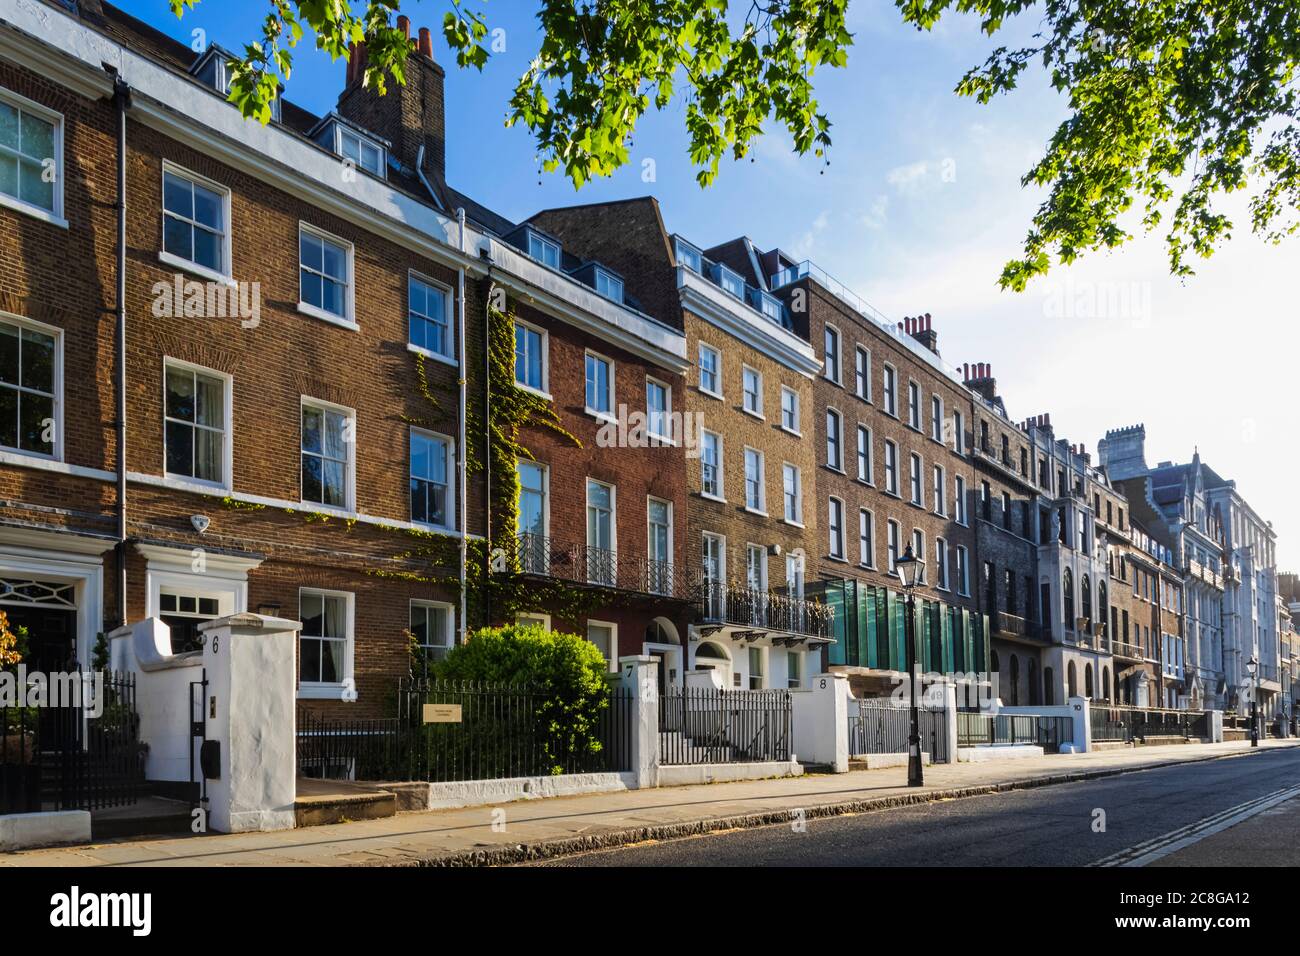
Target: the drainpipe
(487, 440)
(121, 102)
(461, 456)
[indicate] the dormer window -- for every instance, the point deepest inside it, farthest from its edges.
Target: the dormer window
(689, 256)
(362, 152)
(770, 306)
(730, 281)
(545, 251)
(609, 285)
(213, 70)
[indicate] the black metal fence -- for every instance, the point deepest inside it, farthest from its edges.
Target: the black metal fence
(700, 725)
(976, 729)
(70, 756)
(882, 727)
(1112, 722)
(450, 731)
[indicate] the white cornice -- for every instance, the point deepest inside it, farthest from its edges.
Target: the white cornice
(717, 307)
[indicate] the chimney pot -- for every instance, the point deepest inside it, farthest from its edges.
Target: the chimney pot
(404, 24)
(426, 43)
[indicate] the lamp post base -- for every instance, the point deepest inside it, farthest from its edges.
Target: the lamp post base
(915, 775)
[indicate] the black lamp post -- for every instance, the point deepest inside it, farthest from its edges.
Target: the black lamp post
(910, 569)
(1252, 667)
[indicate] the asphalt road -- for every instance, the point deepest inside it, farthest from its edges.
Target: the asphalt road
(1049, 826)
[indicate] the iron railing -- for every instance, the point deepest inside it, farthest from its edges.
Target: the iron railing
(490, 732)
(721, 602)
(882, 727)
(699, 725)
(602, 567)
(1013, 624)
(1111, 722)
(1047, 731)
(68, 757)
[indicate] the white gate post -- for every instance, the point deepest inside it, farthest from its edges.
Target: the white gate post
(821, 722)
(639, 674)
(950, 721)
(1080, 710)
(249, 715)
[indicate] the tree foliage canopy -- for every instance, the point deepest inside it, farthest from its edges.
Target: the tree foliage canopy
(1172, 103)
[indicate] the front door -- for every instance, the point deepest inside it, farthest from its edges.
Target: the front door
(51, 636)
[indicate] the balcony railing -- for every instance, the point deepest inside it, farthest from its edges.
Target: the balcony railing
(601, 567)
(1125, 649)
(724, 603)
(1011, 624)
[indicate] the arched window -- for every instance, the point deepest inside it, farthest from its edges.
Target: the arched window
(1085, 599)
(1071, 682)
(1015, 681)
(1087, 681)
(1102, 608)
(1067, 595)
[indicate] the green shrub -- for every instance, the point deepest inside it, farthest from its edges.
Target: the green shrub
(565, 674)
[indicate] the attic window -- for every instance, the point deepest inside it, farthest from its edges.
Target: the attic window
(544, 250)
(609, 285)
(689, 256)
(730, 281)
(362, 152)
(214, 71)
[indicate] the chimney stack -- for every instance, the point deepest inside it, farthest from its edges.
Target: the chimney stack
(920, 329)
(409, 116)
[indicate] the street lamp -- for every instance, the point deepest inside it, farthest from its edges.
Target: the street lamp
(910, 570)
(1252, 668)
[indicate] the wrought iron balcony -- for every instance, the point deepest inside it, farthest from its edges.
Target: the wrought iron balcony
(1124, 649)
(599, 567)
(721, 602)
(1011, 624)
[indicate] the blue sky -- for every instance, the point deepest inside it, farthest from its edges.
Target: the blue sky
(918, 209)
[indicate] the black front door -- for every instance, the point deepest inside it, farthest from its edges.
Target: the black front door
(51, 636)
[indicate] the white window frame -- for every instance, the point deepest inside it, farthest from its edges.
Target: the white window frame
(959, 432)
(918, 549)
(866, 538)
(793, 429)
(613, 640)
(796, 518)
(915, 414)
(756, 559)
(223, 275)
(341, 130)
(959, 504)
(939, 487)
(721, 540)
(891, 473)
(57, 334)
(745, 372)
(227, 439)
(721, 494)
(546, 492)
(451, 619)
(692, 252)
(545, 346)
(672, 529)
(835, 535)
(839, 354)
(761, 508)
(717, 369)
(451, 478)
(53, 216)
(318, 690)
(595, 413)
(942, 582)
(348, 319)
(450, 319)
(937, 418)
(533, 617)
(963, 572)
(893, 544)
(546, 243)
(612, 282)
(350, 494)
(660, 438)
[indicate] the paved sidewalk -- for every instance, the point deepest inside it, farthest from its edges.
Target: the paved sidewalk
(540, 828)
